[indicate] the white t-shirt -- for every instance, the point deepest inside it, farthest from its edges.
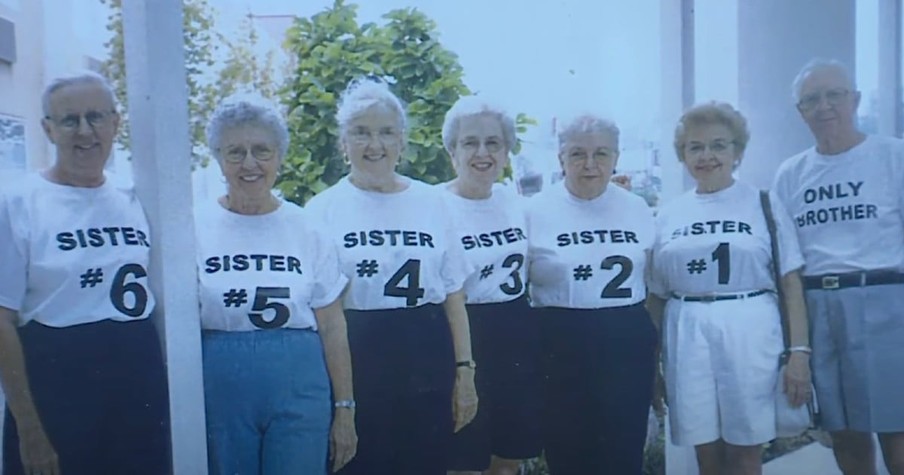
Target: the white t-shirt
(73, 255)
(718, 243)
(263, 271)
(398, 249)
(847, 207)
(588, 253)
(493, 234)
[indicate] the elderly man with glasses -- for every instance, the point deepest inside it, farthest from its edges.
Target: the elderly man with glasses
(846, 196)
(80, 361)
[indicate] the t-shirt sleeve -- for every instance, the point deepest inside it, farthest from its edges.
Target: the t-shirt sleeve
(656, 283)
(455, 268)
(789, 248)
(13, 257)
(329, 281)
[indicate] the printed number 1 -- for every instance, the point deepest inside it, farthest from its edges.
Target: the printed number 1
(723, 257)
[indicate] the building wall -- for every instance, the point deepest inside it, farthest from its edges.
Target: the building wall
(20, 81)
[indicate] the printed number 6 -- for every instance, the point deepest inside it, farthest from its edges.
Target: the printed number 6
(120, 288)
(262, 295)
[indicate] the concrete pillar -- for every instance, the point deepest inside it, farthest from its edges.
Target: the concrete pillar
(890, 57)
(775, 39)
(678, 90)
(158, 112)
(676, 23)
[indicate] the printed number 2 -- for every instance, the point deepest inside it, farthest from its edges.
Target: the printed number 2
(613, 289)
(120, 288)
(262, 296)
(723, 257)
(412, 270)
(516, 260)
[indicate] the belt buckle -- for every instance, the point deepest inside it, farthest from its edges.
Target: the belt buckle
(830, 282)
(707, 298)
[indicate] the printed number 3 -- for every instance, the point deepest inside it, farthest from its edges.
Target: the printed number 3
(516, 261)
(262, 296)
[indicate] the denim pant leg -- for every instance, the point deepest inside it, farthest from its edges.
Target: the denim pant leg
(233, 398)
(296, 440)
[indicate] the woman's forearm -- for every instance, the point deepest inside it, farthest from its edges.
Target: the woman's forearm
(334, 335)
(457, 314)
(12, 373)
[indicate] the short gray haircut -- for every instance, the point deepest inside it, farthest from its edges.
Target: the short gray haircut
(816, 65)
(81, 77)
(362, 94)
(469, 106)
(712, 113)
(247, 110)
(587, 124)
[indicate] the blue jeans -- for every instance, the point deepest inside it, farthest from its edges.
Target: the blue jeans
(268, 402)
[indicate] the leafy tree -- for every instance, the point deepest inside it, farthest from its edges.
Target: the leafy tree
(198, 21)
(330, 50)
(246, 66)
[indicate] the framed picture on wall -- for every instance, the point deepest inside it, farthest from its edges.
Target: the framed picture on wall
(12, 143)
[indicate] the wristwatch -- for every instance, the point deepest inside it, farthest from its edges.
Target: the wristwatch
(466, 364)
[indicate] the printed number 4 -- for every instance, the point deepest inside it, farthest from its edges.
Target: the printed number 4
(262, 296)
(411, 270)
(613, 289)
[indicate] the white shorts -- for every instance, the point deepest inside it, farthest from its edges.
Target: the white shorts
(721, 368)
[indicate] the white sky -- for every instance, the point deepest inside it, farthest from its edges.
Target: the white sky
(556, 57)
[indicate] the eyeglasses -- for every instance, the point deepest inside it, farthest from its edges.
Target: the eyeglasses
(237, 154)
(580, 155)
(95, 119)
(471, 145)
(718, 147)
(363, 136)
(812, 100)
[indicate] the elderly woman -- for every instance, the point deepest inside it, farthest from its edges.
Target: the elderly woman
(270, 310)
(408, 327)
(80, 361)
(723, 334)
(491, 225)
(588, 245)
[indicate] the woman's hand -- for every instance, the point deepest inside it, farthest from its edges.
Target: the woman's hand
(343, 438)
(659, 399)
(36, 452)
(797, 379)
(464, 398)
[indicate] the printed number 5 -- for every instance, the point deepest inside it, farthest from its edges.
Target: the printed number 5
(261, 302)
(613, 289)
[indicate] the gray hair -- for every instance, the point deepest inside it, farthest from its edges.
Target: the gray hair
(469, 106)
(83, 77)
(362, 94)
(819, 64)
(587, 124)
(244, 110)
(708, 113)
